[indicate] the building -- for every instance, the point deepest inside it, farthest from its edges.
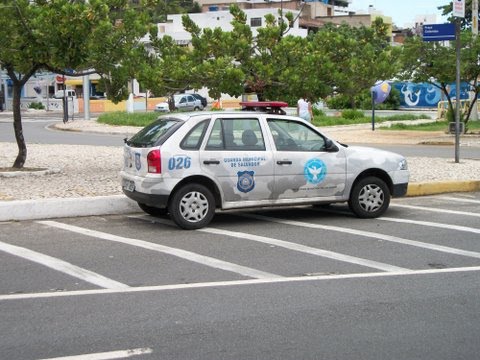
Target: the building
(222, 19)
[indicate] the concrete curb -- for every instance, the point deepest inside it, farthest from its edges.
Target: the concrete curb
(441, 187)
(66, 207)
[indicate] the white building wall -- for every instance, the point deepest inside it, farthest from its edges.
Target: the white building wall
(221, 19)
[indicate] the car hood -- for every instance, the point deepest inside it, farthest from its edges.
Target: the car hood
(359, 156)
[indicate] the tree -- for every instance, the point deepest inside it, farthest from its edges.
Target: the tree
(356, 57)
(435, 63)
(71, 37)
(273, 64)
(466, 22)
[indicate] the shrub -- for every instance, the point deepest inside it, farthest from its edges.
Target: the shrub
(352, 114)
(338, 102)
(318, 112)
(36, 105)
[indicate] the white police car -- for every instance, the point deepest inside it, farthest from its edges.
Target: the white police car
(192, 164)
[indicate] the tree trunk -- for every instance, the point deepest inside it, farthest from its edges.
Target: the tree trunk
(17, 126)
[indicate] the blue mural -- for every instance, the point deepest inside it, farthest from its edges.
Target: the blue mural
(425, 94)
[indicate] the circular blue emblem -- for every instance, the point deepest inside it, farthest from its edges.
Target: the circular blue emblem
(315, 171)
(246, 181)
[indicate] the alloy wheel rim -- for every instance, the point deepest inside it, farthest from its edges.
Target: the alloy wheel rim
(371, 198)
(194, 206)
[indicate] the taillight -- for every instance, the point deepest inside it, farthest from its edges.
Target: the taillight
(154, 162)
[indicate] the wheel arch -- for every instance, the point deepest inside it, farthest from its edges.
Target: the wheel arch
(203, 180)
(379, 173)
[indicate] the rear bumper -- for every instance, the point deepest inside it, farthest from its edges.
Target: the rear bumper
(159, 201)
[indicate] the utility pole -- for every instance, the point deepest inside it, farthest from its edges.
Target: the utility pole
(475, 33)
(459, 14)
(86, 91)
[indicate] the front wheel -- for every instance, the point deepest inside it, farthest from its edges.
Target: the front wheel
(370, 198)
(192, 206)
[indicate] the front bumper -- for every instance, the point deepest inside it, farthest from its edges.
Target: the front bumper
(400, 190)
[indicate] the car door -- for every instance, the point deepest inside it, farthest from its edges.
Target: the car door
(237, 157)
(191, 102)
(304, 166)
(183, 103)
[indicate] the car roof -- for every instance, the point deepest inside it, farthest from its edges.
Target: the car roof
(185, 116)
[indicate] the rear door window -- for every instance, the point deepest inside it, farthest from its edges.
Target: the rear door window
(193, 139)
(240, 134)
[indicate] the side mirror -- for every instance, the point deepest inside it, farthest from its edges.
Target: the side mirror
(330, 146)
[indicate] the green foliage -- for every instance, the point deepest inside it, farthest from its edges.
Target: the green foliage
(355, 58)
(318, 112)
(339, 101)
(127, 119)
(36, 105)
(434, 63)
(441, 125)
(352, 114)
(402, 117)
(69, 37)
(447, 10)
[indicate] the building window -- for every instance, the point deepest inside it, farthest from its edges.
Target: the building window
(255, 22)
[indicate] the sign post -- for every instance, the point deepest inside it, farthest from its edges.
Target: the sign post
(458, 13)
(474, 112)
(438, 32)
(457, 101)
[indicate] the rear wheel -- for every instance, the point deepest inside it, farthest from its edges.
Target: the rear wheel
(370, 197)
(154, 211)
(192, 206)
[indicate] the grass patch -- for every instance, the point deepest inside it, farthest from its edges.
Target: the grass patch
(122, 118)
(339, 120)
(473, 126)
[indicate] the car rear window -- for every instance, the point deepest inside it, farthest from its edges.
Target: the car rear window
(156, 133)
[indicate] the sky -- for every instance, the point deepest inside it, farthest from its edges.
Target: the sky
(401, 11)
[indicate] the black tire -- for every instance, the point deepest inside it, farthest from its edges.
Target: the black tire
(154, 211)
(192, 206)
(370, 198)
(196, 108)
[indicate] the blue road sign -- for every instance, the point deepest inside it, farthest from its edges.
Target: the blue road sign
(438, 32)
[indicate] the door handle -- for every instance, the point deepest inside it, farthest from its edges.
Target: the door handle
(211, 162)
(284, 162)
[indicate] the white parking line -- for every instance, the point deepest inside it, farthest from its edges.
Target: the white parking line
(62, 266)
(369, 234)
(289, 245)
(119, 354)
(187, 255)
(444, 211)
(306, 249)
(459, 199)
(432, 224)
(250, 282)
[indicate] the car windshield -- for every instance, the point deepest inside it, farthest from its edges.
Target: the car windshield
(155, 133)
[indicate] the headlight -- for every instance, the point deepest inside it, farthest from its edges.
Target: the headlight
(402, 165)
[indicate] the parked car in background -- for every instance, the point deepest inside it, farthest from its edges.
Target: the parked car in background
(162, 107)
(190, 165)
(201, 98)
(60, 94)
(182, 102)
